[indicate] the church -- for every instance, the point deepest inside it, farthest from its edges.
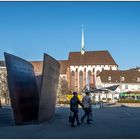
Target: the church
(90, 69)
(82, 68)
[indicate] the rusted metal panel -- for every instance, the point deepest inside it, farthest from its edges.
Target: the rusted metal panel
(22, 89)
(50, 77)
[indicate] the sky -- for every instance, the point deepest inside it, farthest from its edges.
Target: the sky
(29, 29)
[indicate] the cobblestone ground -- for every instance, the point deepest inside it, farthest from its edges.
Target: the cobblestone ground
(109, 122)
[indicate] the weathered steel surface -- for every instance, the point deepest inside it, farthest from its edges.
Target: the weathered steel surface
(38, 81)
(22, 89)
(49, 84)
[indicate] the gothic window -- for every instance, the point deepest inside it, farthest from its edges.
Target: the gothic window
(97, 73)
(89, 77)
(72, 80)
(80, 81)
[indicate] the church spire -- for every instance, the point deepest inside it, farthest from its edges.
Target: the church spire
(82, 44)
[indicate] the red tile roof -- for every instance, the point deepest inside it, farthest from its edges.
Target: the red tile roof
(91, 58)
(130, 76)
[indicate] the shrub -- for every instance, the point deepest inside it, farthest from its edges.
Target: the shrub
(129, 101)
(65, 99)
(108, 99)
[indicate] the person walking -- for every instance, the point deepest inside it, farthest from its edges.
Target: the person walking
(74, 102)
(87, 106)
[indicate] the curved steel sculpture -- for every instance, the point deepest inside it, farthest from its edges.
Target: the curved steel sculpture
(32, 98)
(50, 77)
(22, 89)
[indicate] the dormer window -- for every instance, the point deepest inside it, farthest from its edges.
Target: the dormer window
(109, 78)
(138, 79)
(122, 78)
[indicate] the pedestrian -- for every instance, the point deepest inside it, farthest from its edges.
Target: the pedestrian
(74, 102)
(87, 107)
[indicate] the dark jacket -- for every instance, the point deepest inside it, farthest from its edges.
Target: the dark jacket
(74, 101)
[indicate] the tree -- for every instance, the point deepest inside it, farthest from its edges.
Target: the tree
(62, 88)
(4, 95)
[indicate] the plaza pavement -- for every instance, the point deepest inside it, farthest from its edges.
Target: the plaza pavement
(109, 122)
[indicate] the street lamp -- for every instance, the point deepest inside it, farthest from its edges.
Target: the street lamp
(121, 84)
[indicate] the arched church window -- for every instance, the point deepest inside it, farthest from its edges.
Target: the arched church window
(89, 76)
(97, 73)
(72, 80)
(80, 81)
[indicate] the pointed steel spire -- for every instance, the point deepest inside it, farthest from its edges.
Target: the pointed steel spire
(82, 44)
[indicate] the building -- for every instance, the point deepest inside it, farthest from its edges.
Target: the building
(81, 70)
(91, 68)
(82, 67)
(128, 80)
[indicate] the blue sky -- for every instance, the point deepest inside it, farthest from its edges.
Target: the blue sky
(28, 29)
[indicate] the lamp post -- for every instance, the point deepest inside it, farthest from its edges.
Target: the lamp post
(109, 78)
(120, 84)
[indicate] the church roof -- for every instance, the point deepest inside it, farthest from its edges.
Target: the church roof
(91, 58)
(130, 76)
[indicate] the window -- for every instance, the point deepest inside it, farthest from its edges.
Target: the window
(122, 78)
(138, 87)
(97, 73)
(72, 80)
(89, 78)
(80, 81)
(138, 79)
(109, 78)
(126, 86)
